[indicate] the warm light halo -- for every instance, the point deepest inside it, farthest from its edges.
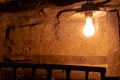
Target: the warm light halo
(96, 14)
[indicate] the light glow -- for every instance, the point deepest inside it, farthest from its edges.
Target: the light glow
(89, 29)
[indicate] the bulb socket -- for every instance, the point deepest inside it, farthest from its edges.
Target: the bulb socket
(88, 14)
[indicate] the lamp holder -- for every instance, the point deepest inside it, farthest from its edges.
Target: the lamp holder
(88, 14)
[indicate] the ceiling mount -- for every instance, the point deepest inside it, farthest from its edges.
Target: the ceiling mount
(89, 5)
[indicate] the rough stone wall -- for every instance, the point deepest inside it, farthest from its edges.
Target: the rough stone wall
(33, 33)
(114, 52)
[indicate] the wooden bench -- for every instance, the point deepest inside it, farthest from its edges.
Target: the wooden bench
(50, 67)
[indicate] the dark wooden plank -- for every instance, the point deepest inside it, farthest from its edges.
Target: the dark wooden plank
(54, 66)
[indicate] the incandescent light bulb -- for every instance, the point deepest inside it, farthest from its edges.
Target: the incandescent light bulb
(89, 29)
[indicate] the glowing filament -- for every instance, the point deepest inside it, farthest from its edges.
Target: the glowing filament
(89, 29)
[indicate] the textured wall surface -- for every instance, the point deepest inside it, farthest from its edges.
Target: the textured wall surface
(34, 34)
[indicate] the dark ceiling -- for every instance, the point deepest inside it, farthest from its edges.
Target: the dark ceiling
(20, 5)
